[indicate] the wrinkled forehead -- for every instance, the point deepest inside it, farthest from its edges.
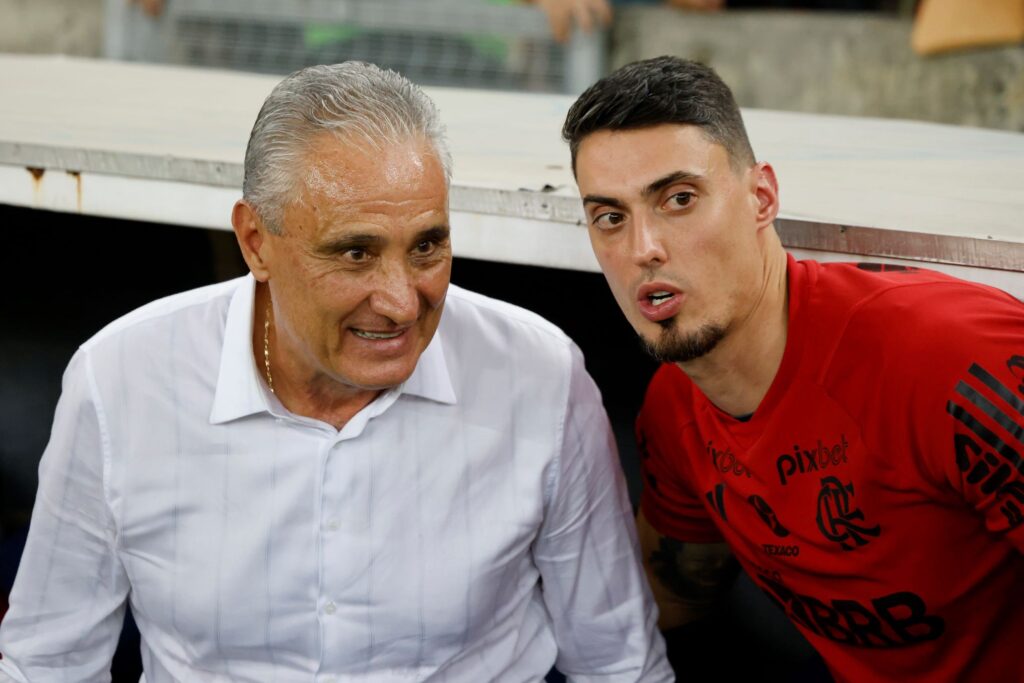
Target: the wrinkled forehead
(340, 181)
(338, 172)
(350, 163)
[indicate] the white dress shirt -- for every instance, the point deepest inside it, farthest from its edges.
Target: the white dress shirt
(469, 525)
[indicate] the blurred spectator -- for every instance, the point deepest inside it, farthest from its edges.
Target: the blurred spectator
(151, 7)
(562, 14)
(587, 14)
(844, 5)
(944, 25)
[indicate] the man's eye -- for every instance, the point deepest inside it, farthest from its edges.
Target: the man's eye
(356, 255)
(606, 221)
(679, 200)
(425, 247)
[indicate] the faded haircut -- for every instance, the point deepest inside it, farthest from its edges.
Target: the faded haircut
(659, 91)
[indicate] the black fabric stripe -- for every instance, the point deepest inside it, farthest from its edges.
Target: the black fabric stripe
(987, 436)
(715, 497)
(996, 481)
(995, 385)
(991, 410)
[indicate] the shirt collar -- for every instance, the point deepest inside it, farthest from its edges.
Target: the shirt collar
(431, 379)
(240, 390)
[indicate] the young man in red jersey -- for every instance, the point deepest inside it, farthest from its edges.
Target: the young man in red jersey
(852, 436)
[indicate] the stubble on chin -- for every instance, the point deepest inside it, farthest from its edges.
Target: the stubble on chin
(673, 346)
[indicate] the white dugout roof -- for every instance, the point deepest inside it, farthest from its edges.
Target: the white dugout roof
(165, 144)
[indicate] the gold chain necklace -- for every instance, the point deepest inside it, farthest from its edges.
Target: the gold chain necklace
(266, 349)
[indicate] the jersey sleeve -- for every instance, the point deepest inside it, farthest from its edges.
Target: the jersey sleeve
(949, 372)
(667, 500)
(982, 439)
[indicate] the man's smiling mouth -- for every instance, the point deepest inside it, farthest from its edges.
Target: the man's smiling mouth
(366, 334)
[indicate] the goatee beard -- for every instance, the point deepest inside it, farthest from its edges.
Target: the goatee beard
(673, 347)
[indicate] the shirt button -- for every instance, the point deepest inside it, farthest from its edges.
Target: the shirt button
(332, 525)
(330, 608)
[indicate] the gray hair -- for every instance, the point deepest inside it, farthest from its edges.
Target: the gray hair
(354, 98)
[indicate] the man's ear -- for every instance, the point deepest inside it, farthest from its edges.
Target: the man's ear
(766, 194)
(251, 234)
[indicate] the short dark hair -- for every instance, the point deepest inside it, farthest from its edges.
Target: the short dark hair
(657, 91)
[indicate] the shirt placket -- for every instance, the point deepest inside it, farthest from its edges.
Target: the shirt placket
(345, 522)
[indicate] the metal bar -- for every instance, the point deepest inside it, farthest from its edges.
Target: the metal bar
(586, 60)
(544, 206)
(124, 164)
(439, 16)
(914, 246)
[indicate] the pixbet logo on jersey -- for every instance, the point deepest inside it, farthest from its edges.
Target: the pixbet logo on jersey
(803, 461)
(725, 461)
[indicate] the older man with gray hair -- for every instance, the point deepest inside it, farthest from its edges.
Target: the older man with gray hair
(338, 467)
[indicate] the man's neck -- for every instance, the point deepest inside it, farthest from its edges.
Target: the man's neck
(319, 398)
(737, 373)
(299, 389)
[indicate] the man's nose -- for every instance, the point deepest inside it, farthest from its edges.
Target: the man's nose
(395, 295)
(646, 243)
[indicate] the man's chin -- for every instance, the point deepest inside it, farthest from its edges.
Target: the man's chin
(674, 346)
(375, 381)
(358, 377)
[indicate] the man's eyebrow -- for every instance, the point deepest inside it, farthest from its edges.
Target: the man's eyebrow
(345, 242)
(599, 199)
(437, 233)
(666, 180)
(655, 187)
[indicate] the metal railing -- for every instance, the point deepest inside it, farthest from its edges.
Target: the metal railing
(460, 43)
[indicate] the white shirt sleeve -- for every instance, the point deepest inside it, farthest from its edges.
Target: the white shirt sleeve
(604, 617)
(7, 674)
(68, 600)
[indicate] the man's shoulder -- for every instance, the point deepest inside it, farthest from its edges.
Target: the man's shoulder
(173, 310)
(892, 306)
(500, 322)
(908, 333)
(884, 288)
(491, 343)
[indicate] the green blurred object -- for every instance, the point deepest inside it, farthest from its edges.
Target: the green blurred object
(492, 45)
(321, 35)
(489, 44)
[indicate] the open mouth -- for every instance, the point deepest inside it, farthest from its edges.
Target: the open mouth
(659, 301)
(659, 298)
(366, 334)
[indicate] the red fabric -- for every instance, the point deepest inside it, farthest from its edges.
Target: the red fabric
(877, 493)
